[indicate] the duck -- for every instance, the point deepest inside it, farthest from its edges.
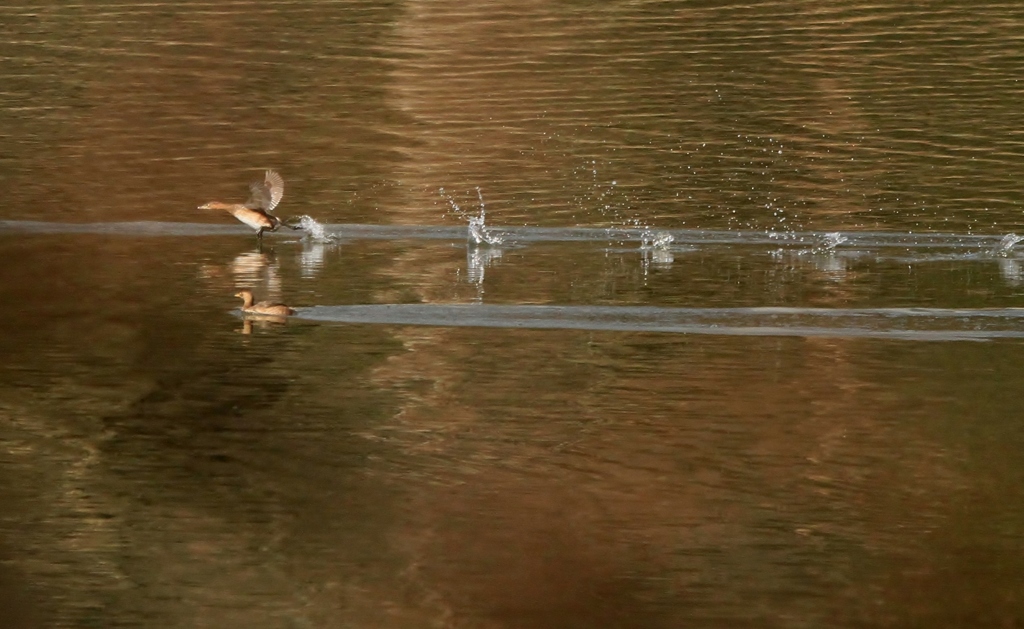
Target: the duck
(263, 307)
(257, 211)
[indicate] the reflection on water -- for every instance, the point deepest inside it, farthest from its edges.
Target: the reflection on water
(312, 258)
(683, 369)
(252, 270)
(262, 322)
(390, 464)
(477, 260)
(1012, 272)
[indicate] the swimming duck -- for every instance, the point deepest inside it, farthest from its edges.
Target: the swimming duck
(263, 307)
(256, 212)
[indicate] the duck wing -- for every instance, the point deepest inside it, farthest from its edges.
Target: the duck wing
(266, 194)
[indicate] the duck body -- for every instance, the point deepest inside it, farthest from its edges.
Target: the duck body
(257, 211)
(257, 219)
(262, 307)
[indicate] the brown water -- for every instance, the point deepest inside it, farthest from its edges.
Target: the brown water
(756, 424)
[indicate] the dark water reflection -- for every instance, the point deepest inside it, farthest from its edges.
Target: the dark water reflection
(161, 464)
(165, 463)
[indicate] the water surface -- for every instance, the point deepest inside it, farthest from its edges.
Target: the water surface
(737, 343)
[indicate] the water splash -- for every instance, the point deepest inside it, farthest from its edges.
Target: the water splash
(314, 246)
(828, 243)
(823, 256)
(315, 230)
(655, 240)
(655, 248)
(477, 231)
(600, 191)
(1006, 245)
(452, 203)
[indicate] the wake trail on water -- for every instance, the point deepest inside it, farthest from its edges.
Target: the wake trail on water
(819, 242)
(923, 324)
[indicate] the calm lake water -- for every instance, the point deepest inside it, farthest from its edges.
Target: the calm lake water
(618, 314)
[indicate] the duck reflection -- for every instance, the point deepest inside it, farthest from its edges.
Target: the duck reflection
(262, 322)
(246, 270)
(254, 267)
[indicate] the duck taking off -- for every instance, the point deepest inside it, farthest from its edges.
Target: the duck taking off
(263, 307)
(256, 212)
